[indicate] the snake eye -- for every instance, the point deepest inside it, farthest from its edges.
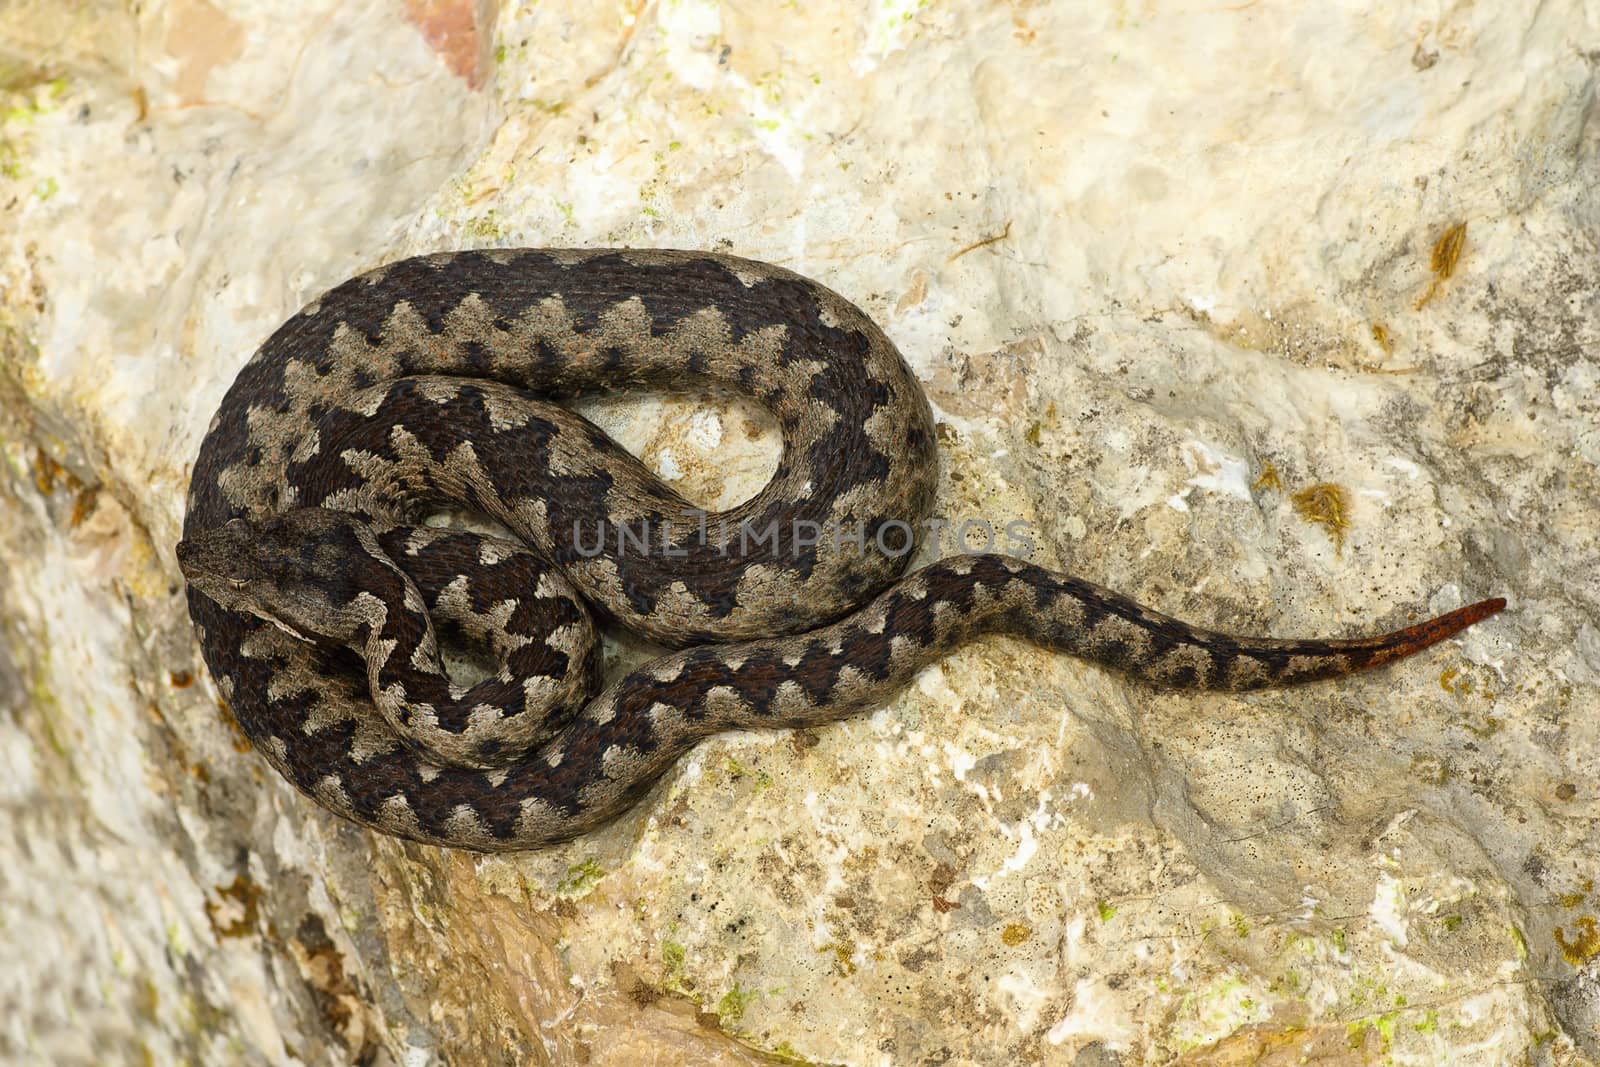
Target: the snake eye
(238, 583)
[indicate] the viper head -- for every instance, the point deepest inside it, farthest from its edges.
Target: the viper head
(302, 570)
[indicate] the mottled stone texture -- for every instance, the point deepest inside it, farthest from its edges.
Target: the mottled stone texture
(1185, 284)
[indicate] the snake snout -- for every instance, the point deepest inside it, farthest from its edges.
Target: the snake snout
(211, 556)
(190, 557)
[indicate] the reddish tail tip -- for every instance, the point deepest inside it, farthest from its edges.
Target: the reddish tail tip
(1414, 639)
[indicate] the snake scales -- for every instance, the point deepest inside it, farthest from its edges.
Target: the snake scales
(318, 593)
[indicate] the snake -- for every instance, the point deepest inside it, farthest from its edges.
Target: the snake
(394, 476)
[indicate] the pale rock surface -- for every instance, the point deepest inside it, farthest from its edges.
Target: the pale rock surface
(1159, 264)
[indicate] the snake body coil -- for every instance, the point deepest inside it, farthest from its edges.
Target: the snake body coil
(316, 589)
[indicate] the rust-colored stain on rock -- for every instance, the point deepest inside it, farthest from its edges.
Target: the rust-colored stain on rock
(459, 31)
(201, 37)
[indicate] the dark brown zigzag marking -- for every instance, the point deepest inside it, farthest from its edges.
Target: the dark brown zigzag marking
(402, 390)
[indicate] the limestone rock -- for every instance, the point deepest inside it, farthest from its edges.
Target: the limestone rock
(1165, 269)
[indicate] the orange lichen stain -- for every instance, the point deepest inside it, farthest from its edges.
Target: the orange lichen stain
(1015, 934)
(1585, 943)
(323, 967)
(456, 34)
(1446, 253)
(241, 740)
(1572, 900)
(1328, 506)
(1268, 479)
(1478, 683)
(1270, 1045)
(48, 474)
(82, 507)
(44, 473)
(1380, 334)
(238, 901)
(843, 965)
(1447, 250)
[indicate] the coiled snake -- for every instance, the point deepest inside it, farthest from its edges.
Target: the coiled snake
(427, 384)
